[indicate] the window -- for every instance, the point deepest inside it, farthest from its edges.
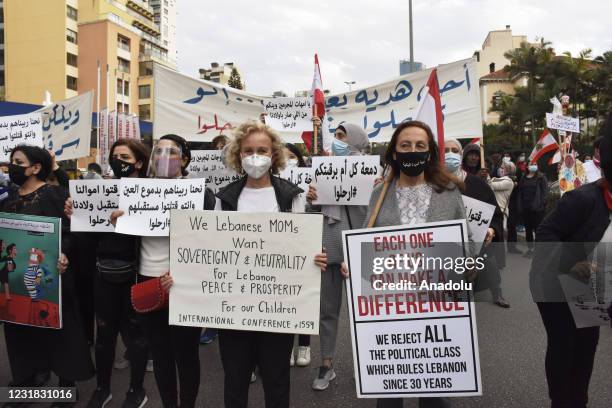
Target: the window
(123, 65)
(496, 101)
(123, 42)
(71, 36)
(126, 88)
(144, 112)
(1, 57)
(1, 15)
(72, 13)
(119, 86)
(71, 82)
(119, 107)
(126, 108)
(144, 91)
(71, 59)
(145, 68)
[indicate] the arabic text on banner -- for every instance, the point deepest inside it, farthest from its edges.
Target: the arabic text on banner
(147, 203)
(34, 280)
(93, 201)
(300, 176)
(289, 114)
(410, 341)
(67, 127)
(200, 110)
(245, 271)
(207, 164)
(19, 129)
(479, 215)
(345, 180)
(563, 123)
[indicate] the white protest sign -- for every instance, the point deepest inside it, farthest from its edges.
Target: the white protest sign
(586, 310)
(289, 114)
(207, 164)
(479, 215)
(93, 201)
(417, 338)
(300, 176)
(67, 127)
(200, 110)
(147, 203)
(245, 271)
(563, 123)
(345, 180)
(19, 129)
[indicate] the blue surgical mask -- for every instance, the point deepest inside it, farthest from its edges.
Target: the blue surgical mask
(533, 168)
(452, 161)
(340, 148)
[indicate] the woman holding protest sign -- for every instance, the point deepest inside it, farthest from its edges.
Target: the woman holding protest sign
(174, 348)
(349, 140)
(256, 151)
(116, 267)
(417, 190)
(34, 350)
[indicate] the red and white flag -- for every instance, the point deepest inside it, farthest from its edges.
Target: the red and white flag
(135, 127)
(103, 146)
(112, 128)
(477, 141)
(429, 110)
(546, 143)
(127, 126)
(318, 103)
(120, 125)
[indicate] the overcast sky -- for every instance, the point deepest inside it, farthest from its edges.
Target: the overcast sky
(273, 41)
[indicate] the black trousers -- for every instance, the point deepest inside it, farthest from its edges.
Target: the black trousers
(114, 315)
(570, 353)
(532, 221)
(241, 351)
(303, 340)
(173, 348)
(434, 402)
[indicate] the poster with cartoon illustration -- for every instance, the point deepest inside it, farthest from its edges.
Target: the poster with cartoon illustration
(30, 285)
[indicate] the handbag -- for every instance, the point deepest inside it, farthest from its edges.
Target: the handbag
(116, 270)
(149, 296)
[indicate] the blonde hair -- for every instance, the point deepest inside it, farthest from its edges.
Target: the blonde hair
(232, 154)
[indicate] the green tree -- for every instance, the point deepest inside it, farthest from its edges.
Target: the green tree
(234, 80)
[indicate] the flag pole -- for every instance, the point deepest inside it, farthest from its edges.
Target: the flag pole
(315, 138)
(98, 113)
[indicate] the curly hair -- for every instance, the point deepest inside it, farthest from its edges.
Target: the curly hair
(233, 159)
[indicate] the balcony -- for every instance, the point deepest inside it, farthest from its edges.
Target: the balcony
(145, 25)
(141, 7)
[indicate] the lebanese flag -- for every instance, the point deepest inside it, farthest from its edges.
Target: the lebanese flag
(546, 143)
(430, 110)
(318, 102)
(476, 141)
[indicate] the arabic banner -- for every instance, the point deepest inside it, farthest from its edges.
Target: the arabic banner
(28, 265)
(245, 271)
(207, 164)
(380, 108)
(147, 203)
(479, 215)
(413, 325)
(560, 122)
(198, 110)
(19, 129)
(93, 201)
(103, 145)
(345, 180)
(289, 114)
(67, 127)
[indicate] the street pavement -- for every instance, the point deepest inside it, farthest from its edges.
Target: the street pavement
(512, 345)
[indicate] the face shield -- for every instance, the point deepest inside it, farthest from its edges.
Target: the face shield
(166, 160)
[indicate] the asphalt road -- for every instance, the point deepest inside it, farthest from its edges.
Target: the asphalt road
(512, 345)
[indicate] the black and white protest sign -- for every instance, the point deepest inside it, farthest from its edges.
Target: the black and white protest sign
(289, 114)
(345, 180)
(412, 320)
(245, 271)
(93, 201)
(207, 164)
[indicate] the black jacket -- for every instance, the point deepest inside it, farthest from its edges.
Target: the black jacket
(477, 188)
(568, 235)
(284, 190)
(539, 202)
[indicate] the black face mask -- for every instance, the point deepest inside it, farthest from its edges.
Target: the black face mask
(17, 174)
(412, 163)
(122, 168)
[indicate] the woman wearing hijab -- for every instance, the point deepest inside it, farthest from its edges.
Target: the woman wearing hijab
(349, 140)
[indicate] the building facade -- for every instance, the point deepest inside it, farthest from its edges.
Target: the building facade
(406, 67)
(218, 73)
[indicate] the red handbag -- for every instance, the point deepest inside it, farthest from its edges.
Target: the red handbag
(149, 296)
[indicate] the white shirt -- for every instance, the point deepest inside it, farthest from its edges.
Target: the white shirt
(154, 256)
(263, 200)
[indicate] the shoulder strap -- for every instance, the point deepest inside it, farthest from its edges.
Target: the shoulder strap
(379, 203)
(348, 214)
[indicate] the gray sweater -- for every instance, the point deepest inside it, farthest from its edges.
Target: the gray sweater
(332, 233)
(443, 206)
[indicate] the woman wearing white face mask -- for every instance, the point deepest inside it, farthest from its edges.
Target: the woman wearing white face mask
(532, 191)
(293, 156)
(257, 152)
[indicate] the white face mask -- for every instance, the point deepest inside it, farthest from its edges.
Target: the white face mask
(292, 163)
(255, 165)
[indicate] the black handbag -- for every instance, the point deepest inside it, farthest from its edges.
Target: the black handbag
(116, 270)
